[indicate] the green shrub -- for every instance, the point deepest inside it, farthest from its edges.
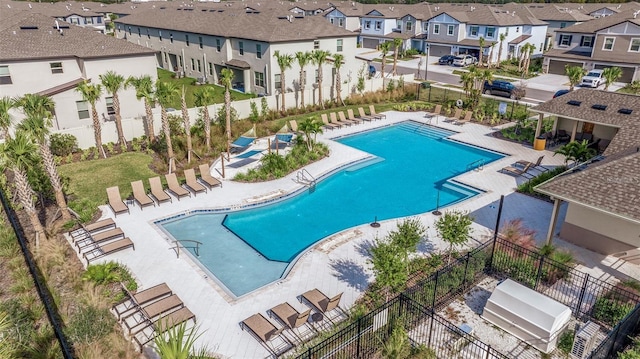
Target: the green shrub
(108, 273)
(527, 187)
(565, 343)
(89, 324)
(84, 208)
(62, 144)
(610, 311)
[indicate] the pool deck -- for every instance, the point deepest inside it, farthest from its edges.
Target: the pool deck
(337, 264)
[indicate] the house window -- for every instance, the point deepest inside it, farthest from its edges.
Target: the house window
(563, 25)
(339, 45)
(200, 42)
(473, 30)
(199, 66)
(193, 65)
(56, 67)
(331, 21)
(110, 109)
(436, 29)
(83, 109)
(341, 22)
(259, 78)
(88, 20)
(218, 45)
(241, 47)
(171, 38)
(634, 46)
(367, 24)
(277, 80)
(450, 29)
(5, 76)
(490, 32)
(211, 68)
(180, 61)
(399, 24)
(608, 43)
(565, 40)
(259, 51)
(409, 26)
(425, 27)
(99, 20)
(160, 34)
(316, 44)
(378, 25)
(586, 41)
(186, 39)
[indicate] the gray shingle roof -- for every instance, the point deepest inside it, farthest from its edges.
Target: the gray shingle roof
(267, 26)
(46, 42)
(594, 25)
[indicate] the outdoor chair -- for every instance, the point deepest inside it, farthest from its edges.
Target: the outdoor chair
(322, 303)
(364, 116)
(87, 230)
(327, 124)
(352, 117)
(265, 331)
(99, 237)
(108, 248)
(562, 136)
(175, 187)
(372, 110)
(455, 117)
(435, 113)
(343, 118)
(192, 182)
(467, 118)
(136, 321)
(603, 144)
(157, 191)
(534, 165)
(334, 120)
(141, 298)
(162, 324)
(140, 195)
(115, 201)
(207, 178)
(241, 144)
(294, 126)
(517, 171)
(291, 318)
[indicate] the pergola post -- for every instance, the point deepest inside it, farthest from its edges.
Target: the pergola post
(574, 130)
(554, 219)
(539, 125)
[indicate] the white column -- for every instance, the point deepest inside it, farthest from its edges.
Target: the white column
(554, 219)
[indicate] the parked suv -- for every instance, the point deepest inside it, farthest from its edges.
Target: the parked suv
(593, 79)
(446, 60)
(464, 60)
(500, 88)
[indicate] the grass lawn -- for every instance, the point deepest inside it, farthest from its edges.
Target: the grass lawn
(191, 87)
(90, 179)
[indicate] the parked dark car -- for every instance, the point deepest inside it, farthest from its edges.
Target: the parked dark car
(560, 93)
(446, 60)
(372, 71)
(499, 88)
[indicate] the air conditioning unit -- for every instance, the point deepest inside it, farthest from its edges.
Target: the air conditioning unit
(585, 340)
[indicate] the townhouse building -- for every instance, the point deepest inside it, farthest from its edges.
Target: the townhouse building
(200, 42)
(607, 41)
(80, 14)
(42, 55)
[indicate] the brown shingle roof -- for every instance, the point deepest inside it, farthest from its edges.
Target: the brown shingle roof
(620, 57)
(595, 25)
(46, 42)
(267, 26)
(628, 125)
(612, 186)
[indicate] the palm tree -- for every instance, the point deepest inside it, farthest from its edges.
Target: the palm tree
(166, 92)
(502, 38)
(6, 104)
(575, 74)
(384, 49)
(481, 53)
(397, 42)
(611, 75)
(37, 124)
(319, 57)
(187, 123)
(91, 93)
(490, 59)
(16, 154)
(113, 83)
(310, 126)
(532, 49)
(203, 98)
(226, 76)
(303, 59)
(144, 90)
(284, 62)
(337, 64)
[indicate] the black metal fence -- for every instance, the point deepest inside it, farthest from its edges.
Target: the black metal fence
(588, 297)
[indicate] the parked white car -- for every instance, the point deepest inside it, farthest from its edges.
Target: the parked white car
(593, 79)
(464, 60)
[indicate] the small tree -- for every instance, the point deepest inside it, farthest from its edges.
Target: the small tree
(397, 346)
(310, 126)
(481, 43)
(360, 85)
(576, 151)
(611, 75)
(254, 116)
(454, 228)
(408, 236)
(502, 38)
(575, 74)
(264, 108)
(384, 49)
(178, 342)
(388, 266)
(397, 43)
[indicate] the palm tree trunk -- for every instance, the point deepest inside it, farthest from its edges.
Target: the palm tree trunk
(54, 177)
(25, 195)
(116, 107)
(338, 88)
(395, 62)
(302, 88)
(227, 110)
(384, 62)
(282, 89)
(320, 86)
(499, 55)
(207, 127)
(151, 133)
(97, 130)
(187, 126)
(167, 135)
(490, 59)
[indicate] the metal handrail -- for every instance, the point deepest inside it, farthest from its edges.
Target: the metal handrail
(480, 167)
(179, 244)
(301, 177)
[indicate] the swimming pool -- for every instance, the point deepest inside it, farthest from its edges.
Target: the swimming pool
(412, 165)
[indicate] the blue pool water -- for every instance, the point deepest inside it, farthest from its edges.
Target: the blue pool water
(247, 249)
(248, 154)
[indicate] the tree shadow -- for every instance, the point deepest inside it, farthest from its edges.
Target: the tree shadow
(351, 272)
(426, 247)
(363, 248)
